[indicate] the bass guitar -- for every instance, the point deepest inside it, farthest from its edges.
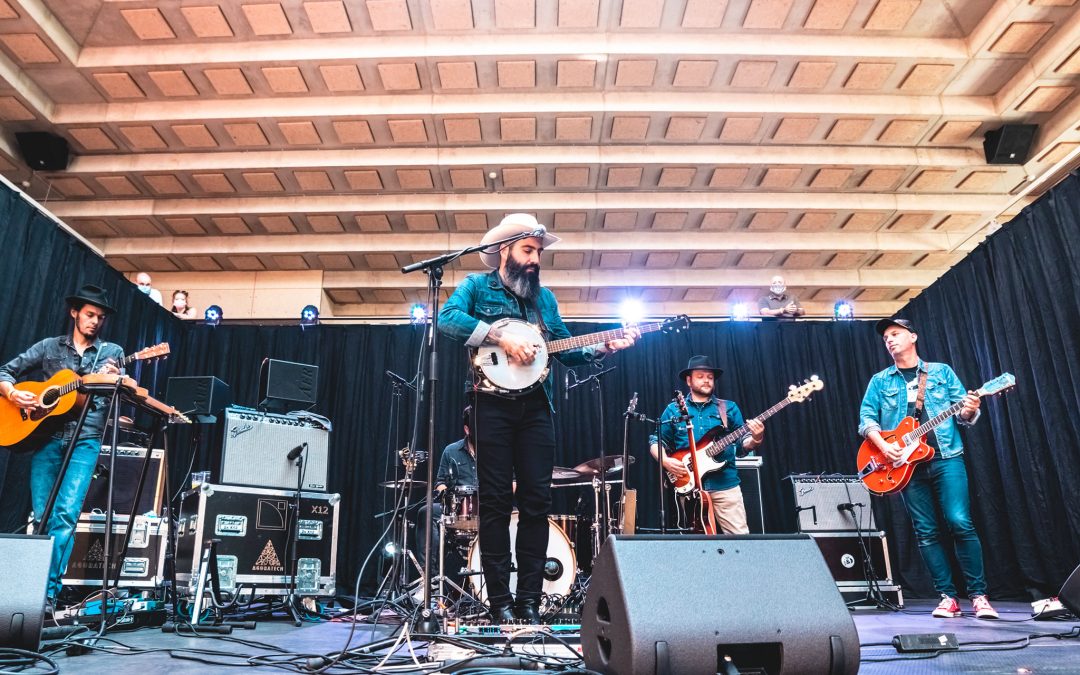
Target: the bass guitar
(710, 447)
(882, 476)
(497, 373)
(55, 397)
(701, 517)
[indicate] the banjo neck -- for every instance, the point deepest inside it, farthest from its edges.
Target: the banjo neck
(579, 341)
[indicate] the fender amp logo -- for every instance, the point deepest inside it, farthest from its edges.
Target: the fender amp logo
(268, 560)
(240, 429)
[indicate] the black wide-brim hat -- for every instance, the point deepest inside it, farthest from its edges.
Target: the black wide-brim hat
(884, 324)
(699, 363)
(91, 294)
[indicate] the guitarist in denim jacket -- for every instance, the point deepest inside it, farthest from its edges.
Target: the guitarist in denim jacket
(515, 437)
(83, 352)
(940, 483)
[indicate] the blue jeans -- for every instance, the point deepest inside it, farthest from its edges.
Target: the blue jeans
(942, 483)
(44, 467)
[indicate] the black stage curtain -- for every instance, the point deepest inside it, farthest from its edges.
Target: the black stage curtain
(1013, 305)
(42, 264)
(760, 360)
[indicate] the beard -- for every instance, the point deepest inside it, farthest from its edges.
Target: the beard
(522, 280)
(704, 391)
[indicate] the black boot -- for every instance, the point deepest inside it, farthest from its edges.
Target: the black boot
(501, 612)
(527, 610)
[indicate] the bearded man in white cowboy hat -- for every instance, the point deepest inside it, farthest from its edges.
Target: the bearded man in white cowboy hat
(84, 352)
(513, 433)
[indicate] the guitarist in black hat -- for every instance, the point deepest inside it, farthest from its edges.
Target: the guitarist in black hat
(707, 412)
(83, 352)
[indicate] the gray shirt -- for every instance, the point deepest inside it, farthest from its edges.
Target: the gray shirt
(773, 301)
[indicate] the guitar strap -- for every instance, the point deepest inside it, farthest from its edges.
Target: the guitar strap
(920, 395)
(721, 410)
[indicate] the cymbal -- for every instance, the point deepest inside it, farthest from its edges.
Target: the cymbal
(562, 473)
(612, 463)
(408, 483)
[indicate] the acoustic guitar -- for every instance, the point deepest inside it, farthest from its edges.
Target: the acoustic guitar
(55, 397)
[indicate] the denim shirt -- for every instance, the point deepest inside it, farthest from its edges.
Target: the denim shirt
(705, 418)
(481, 300)
(48, 357)
(885, 403)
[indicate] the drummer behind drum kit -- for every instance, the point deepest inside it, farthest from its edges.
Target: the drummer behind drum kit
(460, 524)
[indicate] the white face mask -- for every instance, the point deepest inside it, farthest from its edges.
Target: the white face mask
(777, 288)
(145, 289)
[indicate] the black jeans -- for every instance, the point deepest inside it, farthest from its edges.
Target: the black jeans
(515, 439)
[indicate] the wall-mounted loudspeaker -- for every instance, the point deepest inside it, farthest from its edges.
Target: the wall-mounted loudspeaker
(1009, 144)
(711, 616)
(43, 151)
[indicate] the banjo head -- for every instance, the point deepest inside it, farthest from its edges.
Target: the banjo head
(499, 374)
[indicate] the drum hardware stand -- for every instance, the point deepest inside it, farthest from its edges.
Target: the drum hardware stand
(602, 525)
(428, 386)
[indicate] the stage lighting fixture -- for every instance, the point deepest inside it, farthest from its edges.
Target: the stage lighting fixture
(213, 315)
(843, 311)
(631, 312)
(418, 313)
(309, 316)
(740, 311)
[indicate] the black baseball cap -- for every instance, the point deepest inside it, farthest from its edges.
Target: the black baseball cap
(884, 324)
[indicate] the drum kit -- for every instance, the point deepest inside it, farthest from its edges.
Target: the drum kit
(460, 522)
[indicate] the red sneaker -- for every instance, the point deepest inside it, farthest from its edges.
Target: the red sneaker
(982, 607)
(948, 608)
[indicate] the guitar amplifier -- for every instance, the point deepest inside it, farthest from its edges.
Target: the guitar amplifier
(749, 469)
(256, 448)
(129, 463)
(818, 500)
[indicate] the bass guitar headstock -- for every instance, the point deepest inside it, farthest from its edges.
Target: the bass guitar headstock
(800, 393)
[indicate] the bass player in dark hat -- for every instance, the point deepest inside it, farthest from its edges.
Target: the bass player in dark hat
(83, 352)
(707, 412)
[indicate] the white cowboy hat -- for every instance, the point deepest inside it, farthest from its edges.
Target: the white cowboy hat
(515, 223)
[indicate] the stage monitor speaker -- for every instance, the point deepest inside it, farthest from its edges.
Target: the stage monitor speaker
(1009, 144)
(43, 151)
(25, 560)
(766, 602)
(203, 396)
(1070, 592)
(288, 381)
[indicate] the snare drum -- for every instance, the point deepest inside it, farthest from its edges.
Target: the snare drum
(560, 568)
(461, 508)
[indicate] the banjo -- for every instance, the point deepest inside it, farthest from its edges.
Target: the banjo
(496, 373)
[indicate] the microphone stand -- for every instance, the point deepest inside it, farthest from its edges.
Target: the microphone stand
(292, 603)
(594, 380)
(658, 422)
(427, 622)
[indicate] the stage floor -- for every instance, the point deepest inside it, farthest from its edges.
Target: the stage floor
(151, 651)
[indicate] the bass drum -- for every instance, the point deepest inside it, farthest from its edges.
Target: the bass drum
(560, 567)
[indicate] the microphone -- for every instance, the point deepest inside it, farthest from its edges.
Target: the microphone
(633, 406)
(397, 379)
(295, 452)
(848, 506)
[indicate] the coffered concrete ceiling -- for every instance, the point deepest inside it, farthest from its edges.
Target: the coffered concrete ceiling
(685, 150)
